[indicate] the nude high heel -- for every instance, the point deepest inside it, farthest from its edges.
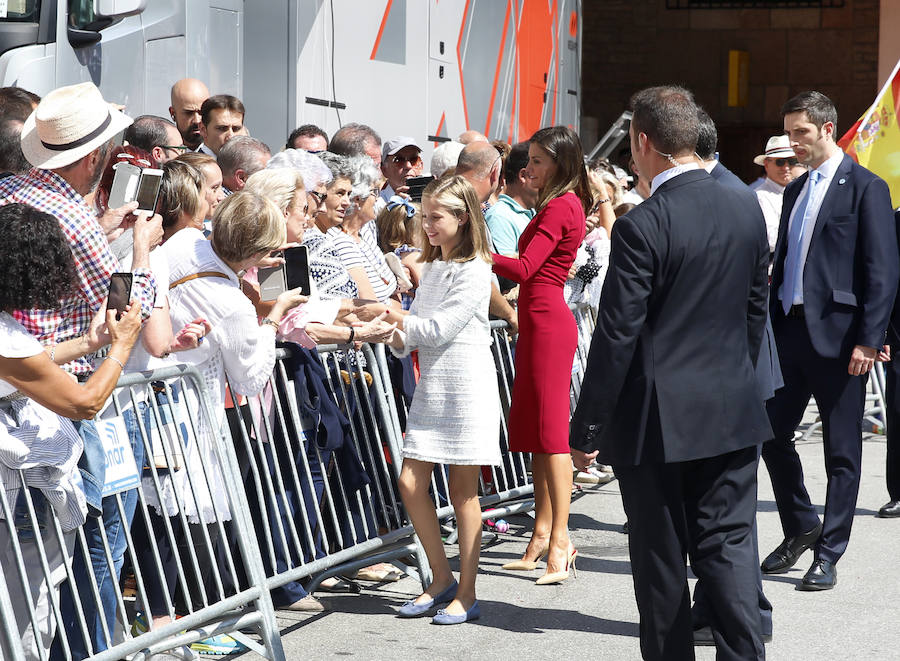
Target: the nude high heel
(526, 565)
(551, 578)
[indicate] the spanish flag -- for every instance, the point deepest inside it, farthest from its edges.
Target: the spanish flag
(874, 141)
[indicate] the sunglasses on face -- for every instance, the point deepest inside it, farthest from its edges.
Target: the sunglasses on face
(320, 197)
(781, 162)
(400, 160)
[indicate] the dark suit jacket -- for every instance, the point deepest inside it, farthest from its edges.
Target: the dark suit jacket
(728, 178)
(851, 271)
(768, 368)
(670, 370)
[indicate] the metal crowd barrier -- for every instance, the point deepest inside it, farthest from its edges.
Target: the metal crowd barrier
(195, 587)
(294, 484)
(314, 517)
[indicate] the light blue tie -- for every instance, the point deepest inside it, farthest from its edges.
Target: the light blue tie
(793, 262)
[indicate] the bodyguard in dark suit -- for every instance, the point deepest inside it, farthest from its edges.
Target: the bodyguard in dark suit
(669, 396)
(891, 509)
(833, 285)
(768, 380)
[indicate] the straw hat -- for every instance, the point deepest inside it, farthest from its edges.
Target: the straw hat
(68, 124)
(778, 146)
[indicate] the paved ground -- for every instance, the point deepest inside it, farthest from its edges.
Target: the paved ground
(594, 616)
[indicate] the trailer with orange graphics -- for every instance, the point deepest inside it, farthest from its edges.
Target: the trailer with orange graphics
(430, 69)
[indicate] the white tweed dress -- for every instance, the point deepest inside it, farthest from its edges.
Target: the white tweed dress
(455, 413)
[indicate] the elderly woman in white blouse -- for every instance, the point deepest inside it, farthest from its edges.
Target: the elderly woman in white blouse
(204, 281)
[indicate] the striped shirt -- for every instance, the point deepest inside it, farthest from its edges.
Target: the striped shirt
(94, 261)
(365, 253)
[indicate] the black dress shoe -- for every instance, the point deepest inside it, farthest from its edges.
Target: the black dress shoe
(703, 637)
(789, 551)
(890, 511)
(821, 576)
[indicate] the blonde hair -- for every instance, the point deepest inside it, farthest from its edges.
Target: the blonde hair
(601, 181)
(180, 192)
(456, 195)
(278, 184)
(247, 224)
(199, 160)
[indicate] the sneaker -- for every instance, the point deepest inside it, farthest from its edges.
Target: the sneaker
(220, 645)
(593, 475)
(139, 626)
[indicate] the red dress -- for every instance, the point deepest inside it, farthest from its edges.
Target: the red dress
(545, 349)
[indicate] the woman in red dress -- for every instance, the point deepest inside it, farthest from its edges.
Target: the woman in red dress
(539, 414)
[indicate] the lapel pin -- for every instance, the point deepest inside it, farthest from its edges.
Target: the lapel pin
(841, 181)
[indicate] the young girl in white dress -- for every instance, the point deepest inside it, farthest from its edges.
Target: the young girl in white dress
(454, 418)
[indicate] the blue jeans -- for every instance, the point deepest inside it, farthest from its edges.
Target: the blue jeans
(104, 577)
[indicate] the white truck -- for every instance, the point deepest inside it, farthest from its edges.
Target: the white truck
(425, 68)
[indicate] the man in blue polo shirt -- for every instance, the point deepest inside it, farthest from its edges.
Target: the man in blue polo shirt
(509, 217)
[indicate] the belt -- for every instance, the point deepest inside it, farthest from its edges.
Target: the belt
(796, 312)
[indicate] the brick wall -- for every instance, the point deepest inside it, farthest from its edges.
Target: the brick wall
(630, 44)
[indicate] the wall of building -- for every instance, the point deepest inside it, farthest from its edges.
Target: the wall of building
(630, 44)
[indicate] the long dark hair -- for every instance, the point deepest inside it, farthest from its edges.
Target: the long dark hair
(38, 268)
(564, 147)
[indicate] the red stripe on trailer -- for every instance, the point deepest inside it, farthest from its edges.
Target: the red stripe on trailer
(462, 82)
(387, 11)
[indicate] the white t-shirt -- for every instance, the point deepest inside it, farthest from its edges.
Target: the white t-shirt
(141, 359)
(15, 342)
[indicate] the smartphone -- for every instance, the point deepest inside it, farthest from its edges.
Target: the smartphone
(296, 267)
(125, 184)
(417, 185)
(148, 190)
(119, 293)
(132, 183)
(272, 282)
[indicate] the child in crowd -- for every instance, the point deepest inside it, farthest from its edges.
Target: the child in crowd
(396, 228)
(455, 413)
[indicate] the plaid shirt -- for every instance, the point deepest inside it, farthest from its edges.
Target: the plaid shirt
(94, 262)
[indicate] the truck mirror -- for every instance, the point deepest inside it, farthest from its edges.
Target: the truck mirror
(118, 8)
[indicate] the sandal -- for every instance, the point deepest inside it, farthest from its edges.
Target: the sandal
(380, 573)
(339, 585)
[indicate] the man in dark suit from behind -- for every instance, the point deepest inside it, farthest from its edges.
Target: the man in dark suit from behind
(834, 278)
(670, 398)
(891, 509)
(768, 379)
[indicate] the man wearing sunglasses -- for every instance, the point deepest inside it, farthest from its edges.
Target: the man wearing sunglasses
(778, 160)
(400, 159)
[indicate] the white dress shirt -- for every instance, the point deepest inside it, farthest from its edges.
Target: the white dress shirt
(770, 196)
(671, 173)
(826, 174)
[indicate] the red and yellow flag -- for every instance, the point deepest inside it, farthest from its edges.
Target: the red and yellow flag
(874, 141)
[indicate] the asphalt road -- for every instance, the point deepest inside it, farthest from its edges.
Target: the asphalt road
(594, 615)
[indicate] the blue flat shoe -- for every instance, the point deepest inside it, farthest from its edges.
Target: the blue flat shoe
(412, 609)
(443, 617)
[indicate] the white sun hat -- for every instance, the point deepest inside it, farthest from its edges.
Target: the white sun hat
(68, 124)
(778, 146)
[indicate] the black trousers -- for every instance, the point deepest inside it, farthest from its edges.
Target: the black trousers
(841, 400)
(892, 403)
(702, 509)
(701, 613)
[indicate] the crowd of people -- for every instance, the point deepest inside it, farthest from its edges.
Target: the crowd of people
(420, 257)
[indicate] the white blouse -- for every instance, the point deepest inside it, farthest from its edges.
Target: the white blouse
(237, 346)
